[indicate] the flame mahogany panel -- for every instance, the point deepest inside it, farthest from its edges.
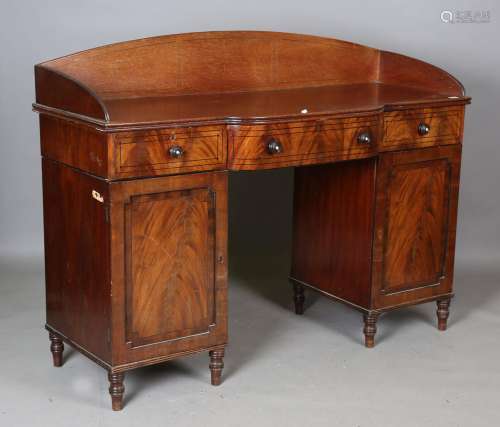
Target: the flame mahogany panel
(401, 128)
(302, 143)
(415, 225)
(170, 259)
(169, 267)
(147, 153)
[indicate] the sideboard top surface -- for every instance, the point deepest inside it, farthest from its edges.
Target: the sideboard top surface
(232, 77)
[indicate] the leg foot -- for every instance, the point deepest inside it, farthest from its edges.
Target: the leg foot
(116, 390)
(298, 298)
(443, 311)
(370, 328)
(216, 365)
(56, 348)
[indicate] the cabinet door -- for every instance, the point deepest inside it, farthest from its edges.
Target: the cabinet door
(169, 238)
(415, 224)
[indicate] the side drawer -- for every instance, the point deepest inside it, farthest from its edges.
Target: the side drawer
(301, 143)
(170, 151)
(425, 127)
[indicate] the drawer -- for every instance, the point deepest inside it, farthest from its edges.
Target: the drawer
(424, 127)
(301, 143)
(172, 150)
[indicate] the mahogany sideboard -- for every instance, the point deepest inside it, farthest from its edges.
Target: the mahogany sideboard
(137, 139)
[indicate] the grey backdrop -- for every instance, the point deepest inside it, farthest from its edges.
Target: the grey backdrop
(33, 31)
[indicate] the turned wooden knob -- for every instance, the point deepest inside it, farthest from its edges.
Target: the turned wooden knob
(423, 129)
(176, 152)
(274, 146)
(364, 138)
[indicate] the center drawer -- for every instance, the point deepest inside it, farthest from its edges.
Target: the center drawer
(171, 150)
(301, 143)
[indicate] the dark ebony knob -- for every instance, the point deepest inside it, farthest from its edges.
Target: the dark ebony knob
(274, 146)
(423, 129)
(364, 138)
(175, 151)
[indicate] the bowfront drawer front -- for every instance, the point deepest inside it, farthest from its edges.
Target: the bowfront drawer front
(425, 127)
(170, 151)
(302, 143)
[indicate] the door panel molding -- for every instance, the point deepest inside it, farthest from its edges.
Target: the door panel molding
(407, 188)
(165, 234)
(415, 224)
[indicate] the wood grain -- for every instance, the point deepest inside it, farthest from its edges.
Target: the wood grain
(302, 142)
(401, 128)
(170, 255)
(215, 62)
(57, 90)
(76, 145)
(147, 153)
(236, 76)
(261, 106)
(169, 267)
(416, 209)
(332, 229)
(411, 72)
(136, 239)
(77, 257)
(417, 216)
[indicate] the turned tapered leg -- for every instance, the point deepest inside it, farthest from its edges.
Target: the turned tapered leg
(56, 348)
(216, 365)
(116, 390)
(443, 311)
(370, 328)
(298, 298)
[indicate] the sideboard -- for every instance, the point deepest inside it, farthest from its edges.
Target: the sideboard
(137, 139)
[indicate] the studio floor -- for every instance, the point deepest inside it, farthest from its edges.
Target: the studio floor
(280, 369)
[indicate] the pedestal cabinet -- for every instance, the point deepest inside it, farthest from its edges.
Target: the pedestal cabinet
(136, 270)
(391, 247)
(415, 223)
(137, 139)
